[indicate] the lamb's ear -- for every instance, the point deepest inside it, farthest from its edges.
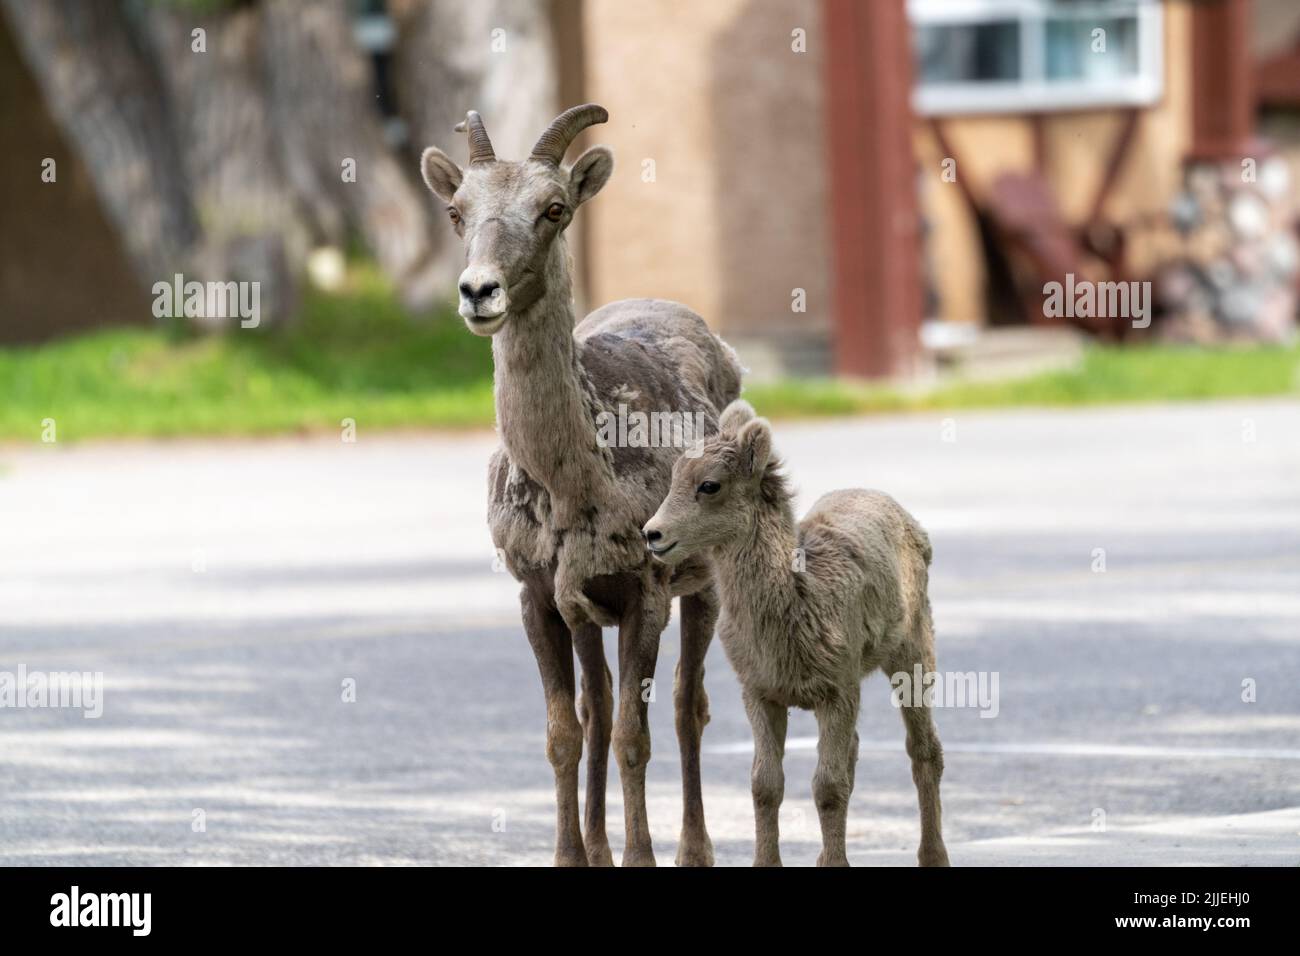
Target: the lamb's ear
(735, 415)
(441, 174)
(590, 172)
(755, 440)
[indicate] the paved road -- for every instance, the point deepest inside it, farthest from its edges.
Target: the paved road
(227, 592)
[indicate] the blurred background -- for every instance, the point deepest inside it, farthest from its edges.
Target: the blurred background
(849, 192)
(292, 596)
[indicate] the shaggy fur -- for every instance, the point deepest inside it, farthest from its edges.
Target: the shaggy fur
(806, 638)
(565, 512)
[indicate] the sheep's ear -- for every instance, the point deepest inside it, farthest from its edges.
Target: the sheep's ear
(735, 415)
(755, 440)
(590, 172)
(441, 174)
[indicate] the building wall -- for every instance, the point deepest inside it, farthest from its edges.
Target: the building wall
(1275, 27)
(730, 115)
(738, 213)
(1078, 146)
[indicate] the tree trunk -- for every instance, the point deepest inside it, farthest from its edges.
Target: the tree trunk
(494, 56)
(233, 162)
(448, 60)
(103, 94)
(323, 109)
(250, 228)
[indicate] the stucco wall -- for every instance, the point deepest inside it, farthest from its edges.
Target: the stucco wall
(730, 116)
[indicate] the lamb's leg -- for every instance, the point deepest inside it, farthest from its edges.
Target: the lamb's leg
(638, 649)
(923, 747)
(837, 755)
(926, 753)
(553, 648)
(596, 711)
(767, 779)
(691, 704)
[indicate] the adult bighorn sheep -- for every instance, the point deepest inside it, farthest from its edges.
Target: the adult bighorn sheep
(565, 509)
(808, 611)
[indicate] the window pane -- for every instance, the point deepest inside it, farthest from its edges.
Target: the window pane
(1073, 54)
(968, 52)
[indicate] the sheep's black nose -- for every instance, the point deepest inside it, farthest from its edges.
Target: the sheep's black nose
(652, 536)
(482, 292)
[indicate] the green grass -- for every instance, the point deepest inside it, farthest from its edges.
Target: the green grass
(360, 355)
(356, 355)
(1106, 375)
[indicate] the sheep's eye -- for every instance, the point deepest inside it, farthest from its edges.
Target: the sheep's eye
(554, 211)
(453, 214)
(709, 488)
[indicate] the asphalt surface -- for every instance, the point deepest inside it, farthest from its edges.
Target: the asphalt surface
(232, 593)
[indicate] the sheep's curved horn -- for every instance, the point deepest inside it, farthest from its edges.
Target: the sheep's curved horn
(564, 129)
(480, 147)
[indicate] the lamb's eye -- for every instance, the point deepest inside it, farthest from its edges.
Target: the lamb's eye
(453, 214)
(709, 488)
(554, 212)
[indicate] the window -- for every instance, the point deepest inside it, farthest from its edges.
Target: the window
(1009, 56)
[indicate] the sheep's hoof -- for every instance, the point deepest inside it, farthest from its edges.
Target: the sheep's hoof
(598, 854)
(767, 861)
(838, 859)
(695, 851)
(639, 856)
(928, 856)
(572, 856)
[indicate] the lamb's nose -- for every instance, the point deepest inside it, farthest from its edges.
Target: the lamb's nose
(482, 292)
(652, 536)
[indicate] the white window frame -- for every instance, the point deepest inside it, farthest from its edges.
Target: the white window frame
(1033, 93)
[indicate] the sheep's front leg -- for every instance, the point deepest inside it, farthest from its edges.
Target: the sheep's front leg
(553, 647)
(767, 778)
(638, 649)
(571, 573)
(596, 711)
(837, 755)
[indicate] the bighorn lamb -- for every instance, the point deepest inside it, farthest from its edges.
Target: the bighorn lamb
(565, 509)
(808, 611)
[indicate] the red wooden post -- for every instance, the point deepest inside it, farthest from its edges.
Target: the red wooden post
(873, 197)
(1223, 92)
